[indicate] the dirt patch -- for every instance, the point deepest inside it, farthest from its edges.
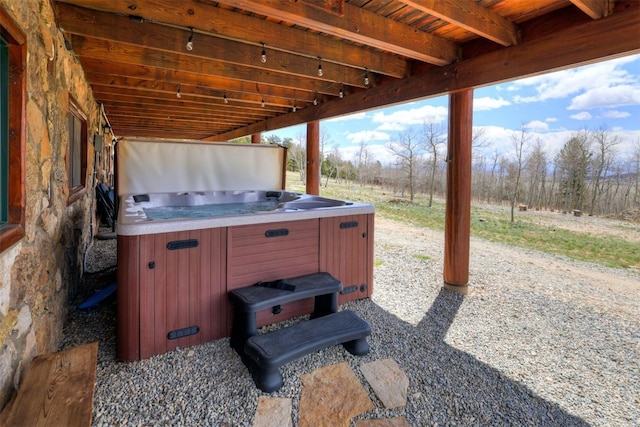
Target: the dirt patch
(584, 224)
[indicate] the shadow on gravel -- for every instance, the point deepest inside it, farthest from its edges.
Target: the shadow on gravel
(450, 387)
(447, 386)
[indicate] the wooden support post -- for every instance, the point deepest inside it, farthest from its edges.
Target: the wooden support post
(458, 209)
(256, 138)
(313, 157)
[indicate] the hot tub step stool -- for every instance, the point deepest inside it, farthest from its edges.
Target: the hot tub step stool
(264, 354)
(271, 350)
(252, 299)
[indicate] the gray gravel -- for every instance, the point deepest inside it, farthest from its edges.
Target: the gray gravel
(540, 340)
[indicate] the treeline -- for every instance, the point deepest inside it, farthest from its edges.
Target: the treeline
(588, 173)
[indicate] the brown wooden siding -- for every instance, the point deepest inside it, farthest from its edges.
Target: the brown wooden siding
(253, 257)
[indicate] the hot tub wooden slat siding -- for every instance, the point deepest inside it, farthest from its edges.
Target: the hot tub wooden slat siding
(167, 290)
(164, 291)
(128, 295)
(346, 252)
(254, 257)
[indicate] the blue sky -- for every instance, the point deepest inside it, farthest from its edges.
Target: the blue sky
(551, 106)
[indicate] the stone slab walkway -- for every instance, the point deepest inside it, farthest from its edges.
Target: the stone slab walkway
(333, 395)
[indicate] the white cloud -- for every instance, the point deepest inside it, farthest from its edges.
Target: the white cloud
(487, 103)
(615, 114)
(367, 136)
(607, 97)
(356, 116)
(400, 120)
(562, 84)
(582, 115)
(537, 125)
(551, 119)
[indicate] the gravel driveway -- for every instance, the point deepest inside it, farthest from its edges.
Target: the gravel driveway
(539, 340)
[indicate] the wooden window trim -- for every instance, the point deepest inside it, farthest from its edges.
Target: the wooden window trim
(14, 230)
(80, 190)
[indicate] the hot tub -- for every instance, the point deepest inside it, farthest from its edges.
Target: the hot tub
(180, 253)
(179, 211)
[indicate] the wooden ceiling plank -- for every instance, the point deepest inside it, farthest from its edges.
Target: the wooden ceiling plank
(134, 76)
(471, 16)
(163, 103)
(195, 119)
(168, 108)
(361, 26)
(108, 92)
(590, 42)
(136, 55)
(197, 124)
(95, 24)
(596, 9)
(235, 26)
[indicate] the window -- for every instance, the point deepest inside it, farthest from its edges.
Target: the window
(76, 152)
(13, 54)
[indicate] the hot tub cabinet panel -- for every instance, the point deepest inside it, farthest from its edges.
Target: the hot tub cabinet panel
(171, 291)
(174, 275)
(265, 252)
(346, 252)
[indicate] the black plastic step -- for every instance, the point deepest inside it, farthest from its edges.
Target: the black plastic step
(255, 298)
(269, 351)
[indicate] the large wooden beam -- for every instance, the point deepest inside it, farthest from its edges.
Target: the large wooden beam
(235, 26)
(100, 25)
(458, 205)
(313, 158)
(590, 42)
(358, 25)
(86, 47)
(471, 16)
(156, 78)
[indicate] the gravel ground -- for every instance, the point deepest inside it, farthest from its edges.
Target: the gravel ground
(539, 340)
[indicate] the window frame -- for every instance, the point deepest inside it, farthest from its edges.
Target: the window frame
(14, 139)
(78, 190)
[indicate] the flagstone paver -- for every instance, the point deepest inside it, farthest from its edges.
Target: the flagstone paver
(331, 396)
(388, 381)
(273, 411)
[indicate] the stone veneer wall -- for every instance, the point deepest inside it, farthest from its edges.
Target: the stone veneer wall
(39, 272)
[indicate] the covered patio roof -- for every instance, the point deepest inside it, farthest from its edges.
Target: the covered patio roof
(322, 58)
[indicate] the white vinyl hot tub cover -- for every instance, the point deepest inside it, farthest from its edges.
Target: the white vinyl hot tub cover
(170, 165)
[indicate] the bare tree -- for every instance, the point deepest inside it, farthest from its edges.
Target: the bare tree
(519, 140)
(363, 158)
(604, 146)
(636, 160)
(407, 149)
(434, 139)
(537, 170)
(298, 154)
(325, 140)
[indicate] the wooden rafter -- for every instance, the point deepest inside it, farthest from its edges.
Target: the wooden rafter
(596, 9)
(471, 16)
(134, 55)
(580, 44)
(100, 25)
(359, 25)
(251, 30)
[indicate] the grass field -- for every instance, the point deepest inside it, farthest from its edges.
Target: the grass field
(493, 223)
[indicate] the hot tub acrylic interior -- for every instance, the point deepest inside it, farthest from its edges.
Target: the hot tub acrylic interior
(208, 204)
(180, 253)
